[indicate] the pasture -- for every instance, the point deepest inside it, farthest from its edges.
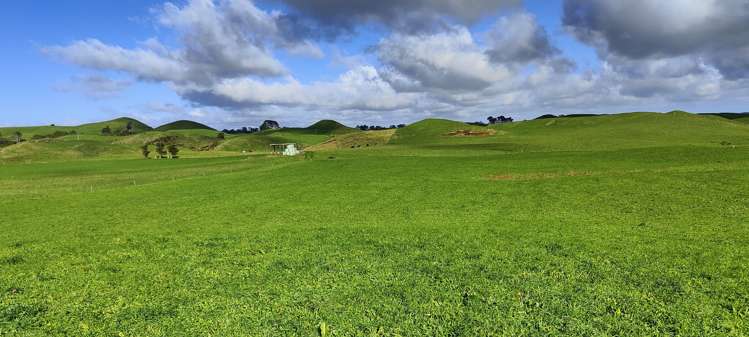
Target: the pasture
(630, 225)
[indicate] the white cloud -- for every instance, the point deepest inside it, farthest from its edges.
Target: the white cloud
(142, 63)
(449, 60)
(225, 69)
(94, 86)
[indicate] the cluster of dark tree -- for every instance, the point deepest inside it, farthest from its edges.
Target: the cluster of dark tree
(56, 134)
(15, 138)
(267, 125)
(164, 147)
(240, 131)
(499, 120)
(126, 131)
(493, 120)
(5, 142)
(377, 127)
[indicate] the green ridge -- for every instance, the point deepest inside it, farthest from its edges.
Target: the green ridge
(184, 125)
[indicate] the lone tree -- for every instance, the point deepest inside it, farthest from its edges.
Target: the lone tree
(221, 136)
(146, 151)
(270, 125)
(499, 120)
(129, 127)
(173, 151)
(106, 131)
(18, 136)
(160, 150)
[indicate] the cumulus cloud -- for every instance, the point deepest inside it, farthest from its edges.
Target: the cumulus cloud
(449, 60)
(430, 61)
(228, 39)
(94, 86)
(145, 64)
(361, 88)
(713, 30)
(519, 39)
(337, 16)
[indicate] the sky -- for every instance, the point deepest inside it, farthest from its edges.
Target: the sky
(234, 63)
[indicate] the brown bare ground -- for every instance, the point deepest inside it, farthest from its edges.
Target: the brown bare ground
(472, 133)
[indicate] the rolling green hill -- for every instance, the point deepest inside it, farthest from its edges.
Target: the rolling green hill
(330, 127)
(115, 125)
(619, 225)
(627, 130)
(85, 129)
(436, 131)
(315, 134)
(184, 125)
(621, 131)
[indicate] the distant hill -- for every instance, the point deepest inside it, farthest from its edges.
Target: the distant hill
(434, 131)
(184, 125)
(327, 126)
(582, 133)
(317, 133)
(85, 129)
(742, 117)
(728, 115)
(627, 130)
(115, 125)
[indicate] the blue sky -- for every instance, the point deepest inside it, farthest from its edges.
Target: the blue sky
(353, 78)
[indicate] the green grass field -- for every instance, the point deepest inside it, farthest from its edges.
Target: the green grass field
(625, 225)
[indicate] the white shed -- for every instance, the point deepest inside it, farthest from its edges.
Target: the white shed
(289, 149)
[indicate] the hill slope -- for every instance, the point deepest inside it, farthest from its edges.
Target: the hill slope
(317, 133)
(115, 124)
(85, 129)
(624, 131)
(330, 127)
(438, 131)
(184, 125)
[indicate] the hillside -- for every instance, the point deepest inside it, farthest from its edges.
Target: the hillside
(729, 115)
(184, 125)
(356, 140)
(314, 134)
(604, 132)
(84, 129)
(260, 142)
(67, 148)
(628, 130)
(438, 131)
(115, 124)
(330, 127)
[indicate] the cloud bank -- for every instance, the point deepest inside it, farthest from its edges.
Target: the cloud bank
(431, 60)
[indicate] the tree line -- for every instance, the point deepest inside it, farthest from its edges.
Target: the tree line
(243, 130)
(494, 120)
(377, 127)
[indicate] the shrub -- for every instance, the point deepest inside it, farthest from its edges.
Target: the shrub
(173, 151)
(145, 151)
(160, 150)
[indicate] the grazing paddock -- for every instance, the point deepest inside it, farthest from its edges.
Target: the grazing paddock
(637, 242)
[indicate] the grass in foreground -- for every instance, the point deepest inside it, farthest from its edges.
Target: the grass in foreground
(626, 242)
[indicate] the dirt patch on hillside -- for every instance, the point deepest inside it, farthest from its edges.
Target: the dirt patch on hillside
(472, 133)
(330, 144)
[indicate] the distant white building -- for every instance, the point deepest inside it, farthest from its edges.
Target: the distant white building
(289, 149)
